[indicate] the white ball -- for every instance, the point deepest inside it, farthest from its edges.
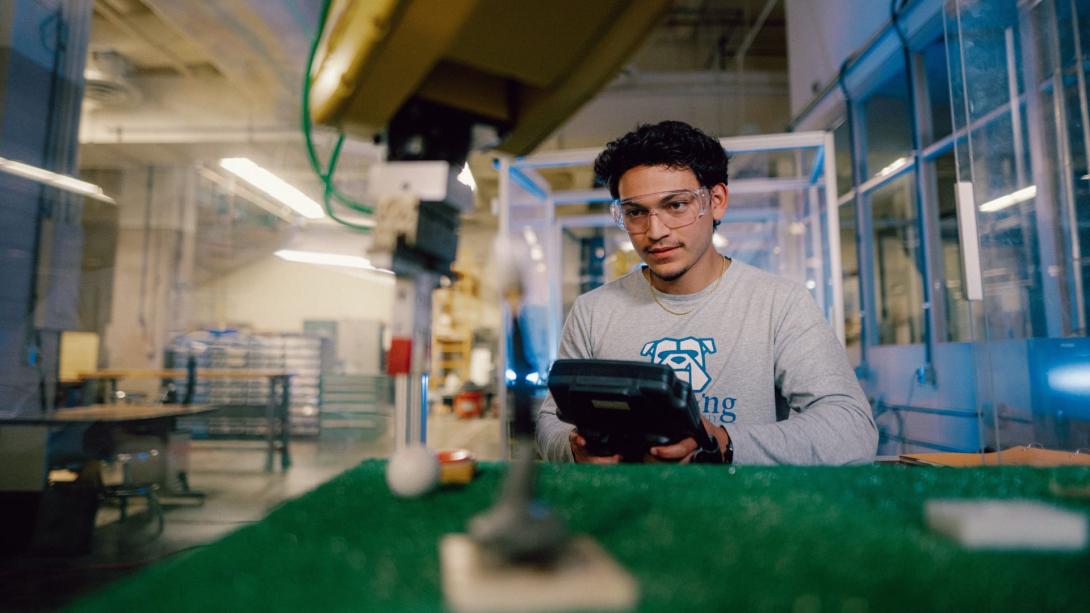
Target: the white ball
(412, 471)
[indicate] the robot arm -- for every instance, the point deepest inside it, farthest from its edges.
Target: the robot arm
(428, 71)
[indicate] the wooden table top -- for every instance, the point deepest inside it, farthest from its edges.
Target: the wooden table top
(181, 373)
(107, 413)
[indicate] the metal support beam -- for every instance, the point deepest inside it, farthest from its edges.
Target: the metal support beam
(868, 312)
(929, 252)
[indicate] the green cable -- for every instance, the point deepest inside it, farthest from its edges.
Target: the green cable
(327, 195)
(327, 200)
(330, 190)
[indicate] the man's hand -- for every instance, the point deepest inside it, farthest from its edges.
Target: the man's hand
(682, 451)
(579, 450)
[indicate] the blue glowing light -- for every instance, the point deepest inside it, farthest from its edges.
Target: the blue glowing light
(1073, 379)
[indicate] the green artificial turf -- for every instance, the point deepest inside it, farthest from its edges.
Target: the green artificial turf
(696, 538)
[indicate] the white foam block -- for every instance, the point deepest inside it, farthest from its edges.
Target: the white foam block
(585, 578)
(1008, 524)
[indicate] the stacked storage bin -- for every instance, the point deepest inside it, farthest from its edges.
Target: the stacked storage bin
(243, 401)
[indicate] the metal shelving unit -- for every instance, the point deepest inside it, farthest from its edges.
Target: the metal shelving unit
(243, 402)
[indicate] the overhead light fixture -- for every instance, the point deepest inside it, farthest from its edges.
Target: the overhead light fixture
(323, 258)
(720, 241)
(262, 179)
(893, 167)
(466, 178)
(1010, 199)
(53, 179)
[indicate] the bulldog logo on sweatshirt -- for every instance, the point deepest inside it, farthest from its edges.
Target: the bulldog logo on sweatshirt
(685, 356)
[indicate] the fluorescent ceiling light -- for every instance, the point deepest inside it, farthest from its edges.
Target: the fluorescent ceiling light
(323, 258)
(466, 178)
(59, 181)
(1010, 199)
(893, 167)
(274, 186)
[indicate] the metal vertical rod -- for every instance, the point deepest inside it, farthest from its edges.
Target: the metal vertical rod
(813, 214)
(503, 219)
(864, 223)
(556, 279)
(1084, 115)
(1015, 109)
(285, 423)
(421, 433)
(928, 200)
(1017, 127)
(1048, 251)
(832, 210)
(270, 425)
(554, 255)
(925, 224)
(1070, 222)
(423, 284)
(401, 411)
(412, 320)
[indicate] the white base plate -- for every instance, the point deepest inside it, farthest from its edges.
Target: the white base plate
(585, 578)
(1008, 524)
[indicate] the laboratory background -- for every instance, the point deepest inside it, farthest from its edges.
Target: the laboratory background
(251, 250)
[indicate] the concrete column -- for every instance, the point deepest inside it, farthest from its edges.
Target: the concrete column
(153, 267)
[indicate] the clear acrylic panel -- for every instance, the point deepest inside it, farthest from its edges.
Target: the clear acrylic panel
(887, 119)
(784, 231)
(898, 286)
(1018, 88)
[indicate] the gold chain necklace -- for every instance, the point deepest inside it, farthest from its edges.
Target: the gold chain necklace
(655, 297)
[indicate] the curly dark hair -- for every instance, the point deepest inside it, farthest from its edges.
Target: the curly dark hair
(673, 144)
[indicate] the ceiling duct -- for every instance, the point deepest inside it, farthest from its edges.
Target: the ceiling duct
(106, 81)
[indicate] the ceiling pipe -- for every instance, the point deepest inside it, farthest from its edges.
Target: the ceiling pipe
(751, 36)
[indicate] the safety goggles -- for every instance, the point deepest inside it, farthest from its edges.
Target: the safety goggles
(675, 209)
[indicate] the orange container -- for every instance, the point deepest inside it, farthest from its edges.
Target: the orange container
(456, 466)
(468, 404)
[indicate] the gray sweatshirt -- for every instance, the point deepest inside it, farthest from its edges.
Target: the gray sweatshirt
(745, 340)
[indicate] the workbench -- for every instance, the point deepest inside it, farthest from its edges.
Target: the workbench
(697, 538)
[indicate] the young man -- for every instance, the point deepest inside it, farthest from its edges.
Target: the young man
(744, 339)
